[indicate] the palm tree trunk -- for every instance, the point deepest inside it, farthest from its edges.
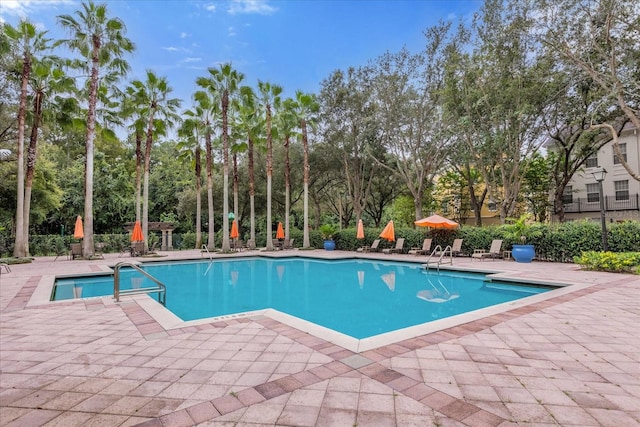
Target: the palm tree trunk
(269, 173)
(252, 190)
(236, 186)
(226, 247)
(305, 145)
(198, 201)
(31, 164)
(138, 171)
(211, 237)
(20, 247)
(287, 188)
(87, 242)
(147, 167)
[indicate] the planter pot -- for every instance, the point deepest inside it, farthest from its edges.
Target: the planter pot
(329, 245)
(523, 253)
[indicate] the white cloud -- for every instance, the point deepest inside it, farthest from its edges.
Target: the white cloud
(23, 8)
(210, 7)
(260, 7)
(192, 60)
(231, 32)
(171, 49)
(184, 35)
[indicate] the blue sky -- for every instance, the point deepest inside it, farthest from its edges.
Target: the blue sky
(295, 44)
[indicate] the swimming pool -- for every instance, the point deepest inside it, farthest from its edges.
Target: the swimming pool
(358, 298)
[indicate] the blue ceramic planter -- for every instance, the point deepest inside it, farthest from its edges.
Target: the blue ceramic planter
(523, 253)
(329, 245)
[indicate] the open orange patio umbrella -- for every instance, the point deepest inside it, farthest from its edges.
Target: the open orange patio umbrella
(280, 231)
(137, 235)
(360, 233)
(78, 232)
(436, 221)
(234, 230)
(389, 233)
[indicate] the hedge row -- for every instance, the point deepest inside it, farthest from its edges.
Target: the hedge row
(556, 242)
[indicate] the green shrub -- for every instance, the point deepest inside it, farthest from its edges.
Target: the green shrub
(12, 261)
(623, 262)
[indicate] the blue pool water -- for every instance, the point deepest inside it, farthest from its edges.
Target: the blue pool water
(358, 298)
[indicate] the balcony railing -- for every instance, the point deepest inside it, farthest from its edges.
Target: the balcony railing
(610, 204)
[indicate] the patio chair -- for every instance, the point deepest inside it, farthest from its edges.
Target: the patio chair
(5, 266)
(137, 248)
(426, 248)
(288, 244)
(76, 251)
(372, 248)
(237, 245)
(250, 245)
(494, 251)
(399, 248)
(99, 248)
(124, 250)
(154, 248)
(456, 247)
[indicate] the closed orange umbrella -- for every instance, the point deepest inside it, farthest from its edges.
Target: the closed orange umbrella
(137, 235)
(389, 233)
(280, 231)
(234, 230)
(78, 232)
(360, 233)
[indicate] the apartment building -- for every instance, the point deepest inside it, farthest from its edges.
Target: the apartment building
(621, 192)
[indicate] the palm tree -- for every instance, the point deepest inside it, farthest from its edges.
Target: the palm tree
(250, 124)
(237, 147)
(28, 43)
(269, 98)
(287, 123)
(160, 112)
(46, 80)
(101, 43)
(190, 149)
(131, 108)
(306, 107)
(208, 109)
(225, 81)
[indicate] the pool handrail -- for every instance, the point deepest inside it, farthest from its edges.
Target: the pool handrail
(442, 253)
(161, 289)
(204, 249)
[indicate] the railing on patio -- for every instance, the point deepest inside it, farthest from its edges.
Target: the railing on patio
(610, 203)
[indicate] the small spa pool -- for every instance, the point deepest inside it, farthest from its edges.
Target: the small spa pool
(356, 297)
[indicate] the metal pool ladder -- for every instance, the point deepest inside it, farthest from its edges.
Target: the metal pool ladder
(160, 289)
(440, 254)
(205, 248)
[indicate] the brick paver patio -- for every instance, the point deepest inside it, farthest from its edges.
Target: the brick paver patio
(571, 360)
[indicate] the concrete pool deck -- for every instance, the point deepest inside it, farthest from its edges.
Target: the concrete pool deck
(573, 359)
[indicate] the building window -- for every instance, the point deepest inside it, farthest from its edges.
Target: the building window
(623, 150)
(593, 193)
(444, 206)
(622, 190)
(491, 205)
(567, 195)
(592, 162)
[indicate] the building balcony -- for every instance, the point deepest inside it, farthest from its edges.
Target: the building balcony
(610, 203)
